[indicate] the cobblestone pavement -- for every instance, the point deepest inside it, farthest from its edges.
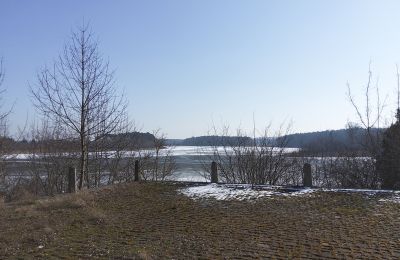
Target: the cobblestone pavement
(153, 220)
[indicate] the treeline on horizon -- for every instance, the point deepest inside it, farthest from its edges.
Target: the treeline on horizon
(313, 142)
(132, 141)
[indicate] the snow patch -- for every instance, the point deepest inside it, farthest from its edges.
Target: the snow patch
(390, 195)
(242, 192)
(395, 198)
(247, 192)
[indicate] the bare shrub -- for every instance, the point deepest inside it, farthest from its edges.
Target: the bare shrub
(111, 155)
(51, 152)
(256, 160)
(340, 171)
(159, 163)
(20, 192)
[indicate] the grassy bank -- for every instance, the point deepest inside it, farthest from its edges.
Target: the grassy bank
(153, 220)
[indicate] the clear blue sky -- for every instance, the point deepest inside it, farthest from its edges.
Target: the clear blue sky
(184, 64)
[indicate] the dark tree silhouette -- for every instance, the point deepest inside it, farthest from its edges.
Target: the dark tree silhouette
(388, 162)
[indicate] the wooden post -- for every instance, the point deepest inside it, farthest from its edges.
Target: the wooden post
(307, 177)
(214, 173)
(71, 180)
(3, 179)
(137, 178)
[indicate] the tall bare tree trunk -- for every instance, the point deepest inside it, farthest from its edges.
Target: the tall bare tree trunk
(79, 92)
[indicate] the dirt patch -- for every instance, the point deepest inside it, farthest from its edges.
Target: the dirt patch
(154, 220)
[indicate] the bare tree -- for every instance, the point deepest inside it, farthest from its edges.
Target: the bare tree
(351, 169)
(2, 174)
(4, 113)
(79, 91)
(352, 164)
(5, 142)
(371, 117)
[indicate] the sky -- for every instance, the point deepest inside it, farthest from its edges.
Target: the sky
(186, 66)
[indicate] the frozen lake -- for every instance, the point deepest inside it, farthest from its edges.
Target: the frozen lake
(192, 162)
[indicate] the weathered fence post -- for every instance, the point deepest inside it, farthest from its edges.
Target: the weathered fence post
(214, 173)
(71, 180)
(307, 177)
(137, 178)
(3, 179)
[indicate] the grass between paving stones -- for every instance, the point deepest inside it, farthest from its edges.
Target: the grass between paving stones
(153, 220)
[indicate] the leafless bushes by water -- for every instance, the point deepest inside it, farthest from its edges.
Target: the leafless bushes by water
(260, 159)
(43, 170)
(159, 163)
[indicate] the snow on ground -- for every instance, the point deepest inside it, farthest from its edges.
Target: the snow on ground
(242, 192)
(189, 178)
(246, 192)
(390, 195)
(395, 198)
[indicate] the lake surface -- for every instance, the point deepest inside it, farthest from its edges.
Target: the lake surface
(192, 162)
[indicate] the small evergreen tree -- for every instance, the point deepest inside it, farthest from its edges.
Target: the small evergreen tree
(388, 163)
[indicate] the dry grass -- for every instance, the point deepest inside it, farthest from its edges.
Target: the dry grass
(151, 220)
(65, 201)
(84, 201)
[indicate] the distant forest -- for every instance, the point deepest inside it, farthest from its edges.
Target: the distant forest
(210, 140)
(132, 140)
(329, 140)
